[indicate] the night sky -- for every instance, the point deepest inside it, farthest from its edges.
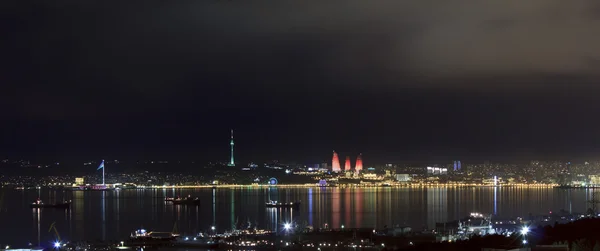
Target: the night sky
(395, 80)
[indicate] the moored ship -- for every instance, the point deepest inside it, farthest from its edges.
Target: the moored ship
(142, 234)
(39, 204)
(186, 201)
(275, 204)
(171, 199)
(199, 241)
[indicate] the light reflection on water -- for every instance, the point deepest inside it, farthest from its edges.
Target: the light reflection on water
(112, 215)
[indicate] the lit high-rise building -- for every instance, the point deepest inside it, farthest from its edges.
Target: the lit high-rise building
(359, 164)
(347, 165)
(335, 163)
(231, 162)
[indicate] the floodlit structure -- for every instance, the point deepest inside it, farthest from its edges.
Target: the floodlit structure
(347, 165)
(359, 165)
(101, 166)
(403, 177)
(335, 163)
(436, 171)
(456, 165)
(79, 181)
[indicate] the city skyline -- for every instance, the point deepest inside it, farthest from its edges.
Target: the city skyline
(394, 158)
(288, 125)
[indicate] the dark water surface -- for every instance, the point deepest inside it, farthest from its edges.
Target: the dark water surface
(113, 215)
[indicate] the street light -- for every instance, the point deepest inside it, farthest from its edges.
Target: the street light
(287, 226)
(212, 228)
(122, 243)
(524, 232)
(342, 226)
(57, 244)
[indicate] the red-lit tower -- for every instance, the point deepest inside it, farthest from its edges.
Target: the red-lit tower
(347, 166)
(359, 165)
(335, 163)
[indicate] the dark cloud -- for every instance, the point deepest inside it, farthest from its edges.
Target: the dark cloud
(389, 76)
(151, 47)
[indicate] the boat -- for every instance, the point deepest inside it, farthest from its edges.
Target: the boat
(199, 241)
(275, 204)
(99, 188)
(171, 199)
(186, 201)
(143, 234)
(249, 232)
(476, 224)
(39, 204)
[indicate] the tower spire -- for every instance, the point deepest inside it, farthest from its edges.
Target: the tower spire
(231, 161)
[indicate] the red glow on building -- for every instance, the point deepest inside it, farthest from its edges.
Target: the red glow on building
(359, 164)
(335, 163)
(347, 166)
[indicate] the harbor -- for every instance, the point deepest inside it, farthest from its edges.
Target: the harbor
(294, 235)
(417, 215)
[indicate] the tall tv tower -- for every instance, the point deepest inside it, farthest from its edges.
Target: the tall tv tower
(231, 162)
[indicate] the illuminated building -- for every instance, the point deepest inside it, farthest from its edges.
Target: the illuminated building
(403, 177)
(231, 162)
(335, 163)
(102, 167)
(324, 167)
(436, 171)
(79, 181)
(347, 165)
(359, 164)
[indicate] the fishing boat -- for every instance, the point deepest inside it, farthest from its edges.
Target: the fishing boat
(276, 204)
(39, 204)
